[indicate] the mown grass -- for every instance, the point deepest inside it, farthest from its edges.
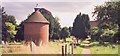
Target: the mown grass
(100, 49)
(77, 50)
(69, 39)
(119, 50)
(0, 49)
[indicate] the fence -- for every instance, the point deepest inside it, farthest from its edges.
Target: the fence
(66, 51)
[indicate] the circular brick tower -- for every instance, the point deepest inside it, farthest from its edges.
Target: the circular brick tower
(36, 28)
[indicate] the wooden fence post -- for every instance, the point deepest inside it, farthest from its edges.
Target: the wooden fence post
(72, 47)
(62, 50)
(66, 50)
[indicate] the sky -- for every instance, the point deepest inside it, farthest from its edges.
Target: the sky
(65, 10)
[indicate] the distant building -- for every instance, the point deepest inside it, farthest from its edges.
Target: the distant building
(36, 28)
(93, 23)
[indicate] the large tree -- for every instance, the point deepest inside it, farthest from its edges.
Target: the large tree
(81, 26)
(8, 26)
(54, 26)
(11, 31)
(108, 16)
(57, 29)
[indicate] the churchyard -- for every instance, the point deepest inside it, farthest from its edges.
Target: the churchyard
(55, 47)
(43, 34)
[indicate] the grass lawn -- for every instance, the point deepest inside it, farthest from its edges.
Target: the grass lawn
(55, 47)
(119, 50)
(78, 50)
(98, 49)
(0, 50)
(69, 39)
(59, 44)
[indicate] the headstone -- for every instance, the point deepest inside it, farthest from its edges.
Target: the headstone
(41, 43)
(32, 47)
(3, 42)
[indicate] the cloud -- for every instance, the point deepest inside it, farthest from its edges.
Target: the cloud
(66, 11)
(53, 0)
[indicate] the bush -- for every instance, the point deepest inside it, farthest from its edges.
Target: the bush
(103, 35)
(107, 35)
(94, 33)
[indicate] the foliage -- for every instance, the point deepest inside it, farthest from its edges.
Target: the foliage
(108, 17)
(11, 28)
(70, 30)
(54, 26)
(64, 33)
(107, 35)
(12, 20)
(81, 26)
(20, 33)
(57, 28)
(8, 26)
(94, 33)
(108, 32)
(102, 34)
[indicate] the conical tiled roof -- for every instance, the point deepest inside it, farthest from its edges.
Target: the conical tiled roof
(36, 17)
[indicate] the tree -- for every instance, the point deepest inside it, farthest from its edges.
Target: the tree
(70, 30)
(81, 26)
(11, 30)
(12, 19)
(4, 27)
(8, 26)
(20, 33)
(94, 33)
(86, 22)
(57, 29)
(108, 16)
(54, 26)
(64, 33)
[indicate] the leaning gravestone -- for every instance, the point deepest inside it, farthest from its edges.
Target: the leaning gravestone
(34, 48)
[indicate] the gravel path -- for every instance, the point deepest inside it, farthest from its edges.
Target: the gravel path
(86, 49)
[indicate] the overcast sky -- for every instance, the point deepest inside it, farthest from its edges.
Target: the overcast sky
(66, 10)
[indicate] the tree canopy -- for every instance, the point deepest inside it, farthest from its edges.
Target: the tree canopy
(108, 18)
(81, 26)
(8, 26)
(54, 26)
(64, 33)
